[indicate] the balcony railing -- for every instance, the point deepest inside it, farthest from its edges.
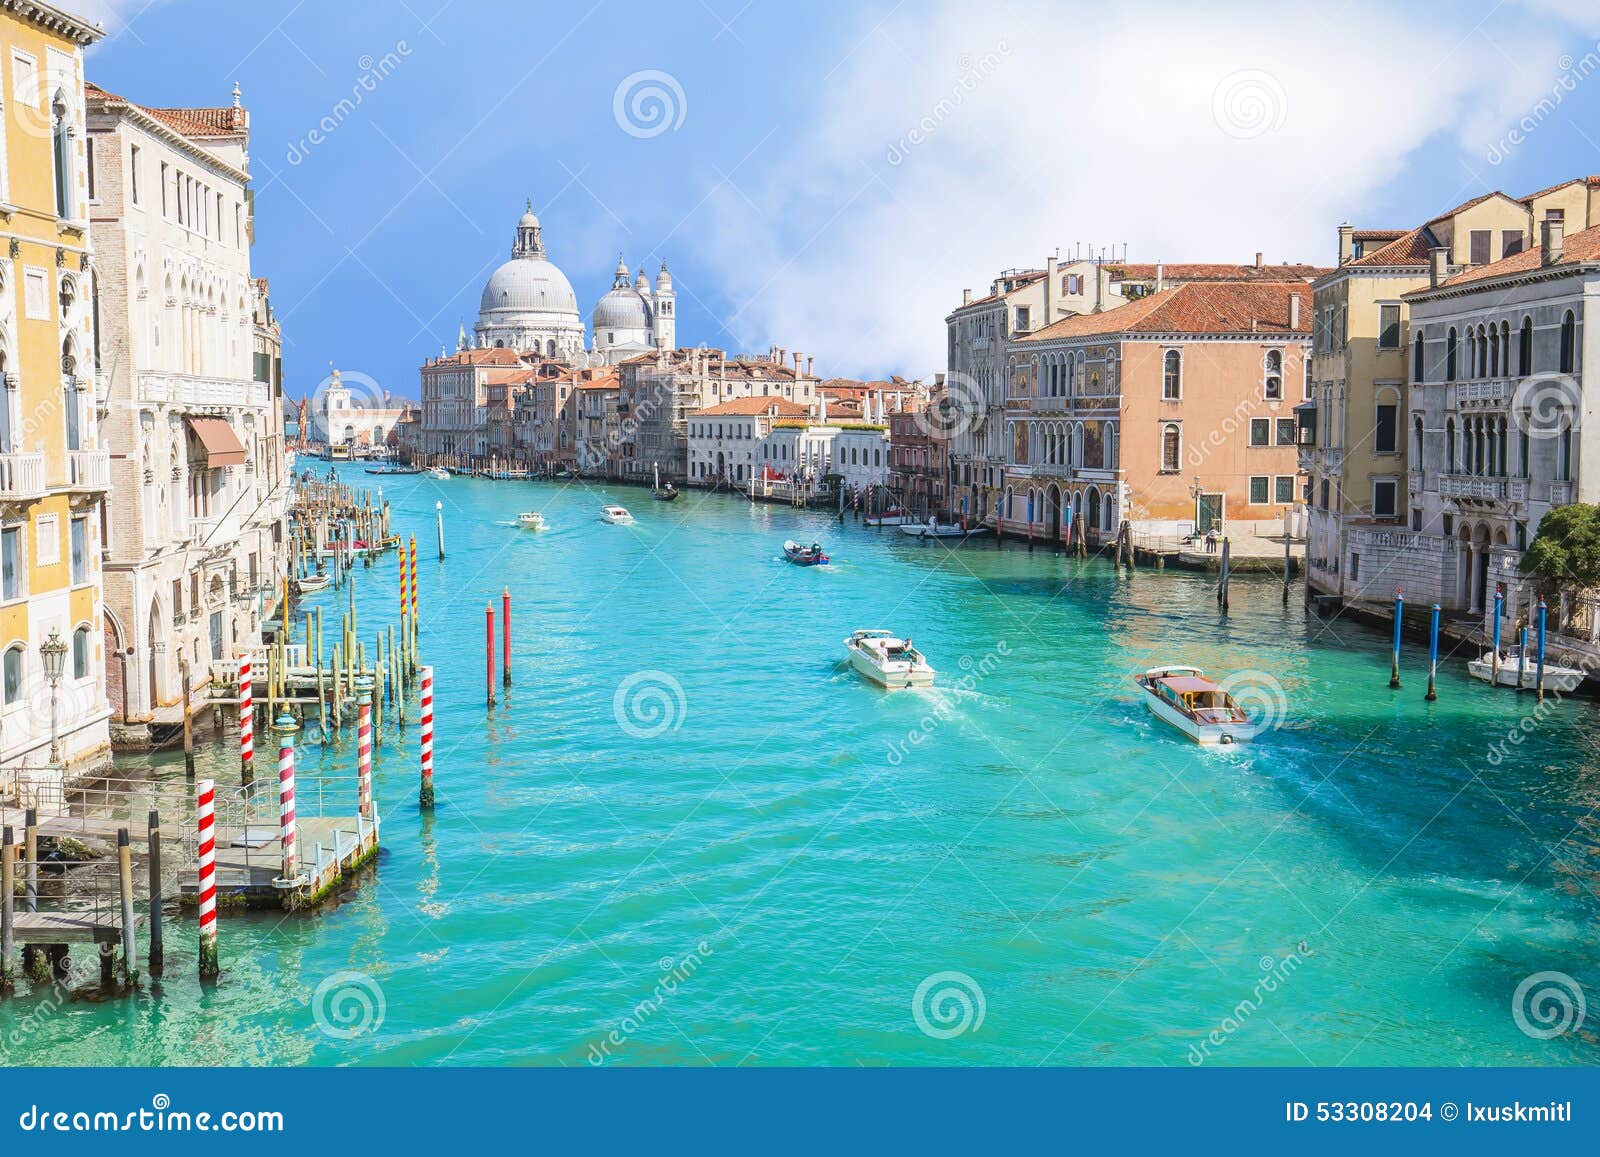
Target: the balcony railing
(1481, 394)
(21, 476)
(1471, 486)
(89, 470)
(171, 389)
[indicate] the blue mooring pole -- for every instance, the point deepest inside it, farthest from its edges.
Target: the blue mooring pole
(1522, 658)
(1538, 681)
(1494, 660)
(1433, 655)
(1394, 651)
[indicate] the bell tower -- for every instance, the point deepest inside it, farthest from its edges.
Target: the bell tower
(666, 311)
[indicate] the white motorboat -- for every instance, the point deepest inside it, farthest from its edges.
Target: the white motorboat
(1515, 668)
(932, 529)
(887, 660)
(306, 584)
(893, 516)
(439, 474)
(530, 520)
(1185, 698)
(616, 515)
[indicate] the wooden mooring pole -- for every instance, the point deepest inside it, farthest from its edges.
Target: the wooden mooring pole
(156, 956)
(505, 633)
(30, 849)
(7, 928)
(488, 656)
(130, 950)
(188, 720)
(1394, 649)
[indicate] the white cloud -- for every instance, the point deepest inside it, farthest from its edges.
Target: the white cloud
(1186, 131)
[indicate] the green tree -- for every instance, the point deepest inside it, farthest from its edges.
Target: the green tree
(1566, 551)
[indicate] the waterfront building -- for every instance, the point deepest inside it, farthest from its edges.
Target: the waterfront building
(861, 451)
(598, 433)
(1356, 440)
(726, 441)
(191, 400)
(918, 462)
(54, 470)
(1495, 426)
(358, 420)
(1173, 412)
(455, 391)
(796, 458)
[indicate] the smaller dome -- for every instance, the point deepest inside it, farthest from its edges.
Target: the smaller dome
(641, 283)
(528, 220)
(663, 279)
(621, 309)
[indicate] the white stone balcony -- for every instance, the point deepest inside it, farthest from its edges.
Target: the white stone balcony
(89, 471)
(21, 477)
(1471, 486)
(163, 388)
(1481, 395)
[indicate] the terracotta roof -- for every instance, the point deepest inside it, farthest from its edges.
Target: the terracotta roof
(1577, 249)
(1215, 272)
(1590, 182)
(1465, 205)
(1409, 248)
(223, 121)
(752, 407)
(490, 357)
(1199, 307)
(1378, 234)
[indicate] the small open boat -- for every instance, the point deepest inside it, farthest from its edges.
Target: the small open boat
(530, 520)
(439, 474)
(394, 469)
(1185, 698)
(307, 584)
(1515, 668)
(661, 493)
(804, 555)
(887, 660)
(892, 516)
(616, 515)
(932, 529)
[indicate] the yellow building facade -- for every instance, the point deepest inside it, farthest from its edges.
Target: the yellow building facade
(53, 472)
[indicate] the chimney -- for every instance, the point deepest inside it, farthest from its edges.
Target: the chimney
(1294, 312)
(966, 297)
(809, 360)
(1347, 243)
(797, 363)
(1258, 259)
(1161, 276)
(1439, 265)
(1553, 241)
(1049, 288)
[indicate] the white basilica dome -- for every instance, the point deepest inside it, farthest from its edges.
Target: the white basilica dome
(528, 284)
(528, 304)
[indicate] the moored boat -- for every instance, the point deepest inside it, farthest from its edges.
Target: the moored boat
(933, 529)
(616, 515)
(531, 520)
(310, 583)
(439, 474)
(1185, 698)
(892, 516)
(804, 555)
(1517, 669)
(887, 660)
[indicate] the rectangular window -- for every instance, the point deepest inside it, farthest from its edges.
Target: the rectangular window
(11, 564)
(1510, 242)
(1479, 243)
(47, 539)
(1355, 568)
(88, 157)
(24, 78)
(1260, 431)
(1389, 327)
(1383, 498)
(1259, 485)
(1386, 435)
(36, 294)
(1416, 519)
(80, 551)
(1285, 488)
(1286, 432)
(164, 209)
(133, 174)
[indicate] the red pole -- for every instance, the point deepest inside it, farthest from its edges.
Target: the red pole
(505, 632)
(488, 617)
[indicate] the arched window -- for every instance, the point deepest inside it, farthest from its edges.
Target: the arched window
(1472, 350)
(80, 653)
(1172, 376)
(1569, 343)
(61, 151)
(1171, 447)
(1272, 387)
(1483, 354)
(1564, 450)
(1525, 348)
(1494, 351)
(1450, 445)
(1417, 363)
(1416, 439)
(13, 673)
(1450, 348)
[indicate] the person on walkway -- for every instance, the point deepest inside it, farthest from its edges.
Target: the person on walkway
(1211, 541)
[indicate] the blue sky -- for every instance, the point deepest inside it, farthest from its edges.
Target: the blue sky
(829, 176)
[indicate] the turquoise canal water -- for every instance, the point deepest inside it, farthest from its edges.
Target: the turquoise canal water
(797, 868)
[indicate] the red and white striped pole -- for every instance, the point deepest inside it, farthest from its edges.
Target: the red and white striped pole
(426, 797)
(247, 719)
(364, 746)
(206, 888)
(488, 654)
(286, 830)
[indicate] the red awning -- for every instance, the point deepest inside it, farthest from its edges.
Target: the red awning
(223, 447)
